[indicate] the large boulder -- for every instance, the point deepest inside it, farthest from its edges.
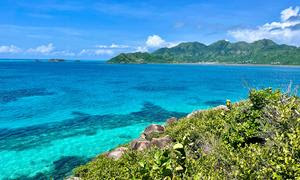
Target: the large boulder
(171, 120)
(117, 153)
(152, 130)
(161, 142)
(140, 144)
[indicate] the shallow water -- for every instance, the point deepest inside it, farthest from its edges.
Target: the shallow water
(55, 116)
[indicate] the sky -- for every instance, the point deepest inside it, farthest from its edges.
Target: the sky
(101, 29)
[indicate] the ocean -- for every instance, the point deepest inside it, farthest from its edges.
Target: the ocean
(56, 116)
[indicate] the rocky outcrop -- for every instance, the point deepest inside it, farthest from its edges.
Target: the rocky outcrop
(161, 142)
(140, 144)
(221, 107)
(152, 130)
(56, 60)
(171, 120)
(145, 141)
(117, 153)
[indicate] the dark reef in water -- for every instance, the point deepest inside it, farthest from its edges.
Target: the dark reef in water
(61, 169)
(14, 95)
(82, 124)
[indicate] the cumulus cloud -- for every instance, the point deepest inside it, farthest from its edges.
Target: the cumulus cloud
(155, 41)
(289, 12)
(285, 31)
(43, 49)
(10, 49)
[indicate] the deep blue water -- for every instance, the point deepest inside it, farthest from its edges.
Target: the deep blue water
(55, 116)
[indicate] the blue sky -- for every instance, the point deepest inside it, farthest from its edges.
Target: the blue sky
(100, 29)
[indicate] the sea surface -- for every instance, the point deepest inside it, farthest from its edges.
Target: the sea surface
(56, 116)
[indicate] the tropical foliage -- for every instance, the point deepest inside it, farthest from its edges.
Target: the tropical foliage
(258, 138)
(259, 52)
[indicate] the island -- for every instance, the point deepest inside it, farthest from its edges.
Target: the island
(56, 60)
(263, 51)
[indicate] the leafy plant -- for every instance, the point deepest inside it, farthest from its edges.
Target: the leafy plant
(258, 138)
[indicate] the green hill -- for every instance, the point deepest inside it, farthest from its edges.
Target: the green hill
(258, 138)
(259, 52)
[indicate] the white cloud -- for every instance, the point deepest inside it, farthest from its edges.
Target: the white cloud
(141, 49)
(10, 49)
(289, 12)
(286, 31)
(43, 49)
(155, 41)
(93, 52)
(112, 46)
(103, 52)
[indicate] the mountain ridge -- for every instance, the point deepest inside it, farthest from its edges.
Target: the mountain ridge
(263, 51)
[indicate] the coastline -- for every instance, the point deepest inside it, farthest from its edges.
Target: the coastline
(199, 63)
(215, 64)
(192, 146)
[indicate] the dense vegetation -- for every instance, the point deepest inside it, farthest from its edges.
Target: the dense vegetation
(258, 138)
(259, 52)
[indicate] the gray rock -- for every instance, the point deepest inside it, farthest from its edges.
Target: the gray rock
(140, 144)
(152, 131)
(117, 153)
(171, 120)
(161, 142)
(154, 128)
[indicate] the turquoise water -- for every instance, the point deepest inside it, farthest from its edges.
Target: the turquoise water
(55, 116)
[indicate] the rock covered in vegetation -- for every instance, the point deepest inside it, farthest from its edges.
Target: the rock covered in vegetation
(161, 142)
(140, 144)
(154, 128)
(220, 107)
(263, 51)
(171, 120)
(256, 139)
(117, 153)
(152, 131)
(56, 60)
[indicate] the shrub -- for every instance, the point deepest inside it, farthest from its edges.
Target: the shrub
(258, 138)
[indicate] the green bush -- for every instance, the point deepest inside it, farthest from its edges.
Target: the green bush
(258, 138)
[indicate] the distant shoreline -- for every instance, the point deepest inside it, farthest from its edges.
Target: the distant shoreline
(213, 64)
(200, 63)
